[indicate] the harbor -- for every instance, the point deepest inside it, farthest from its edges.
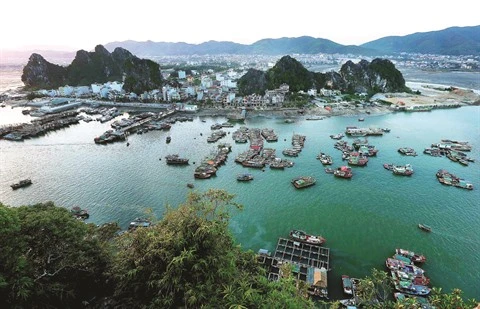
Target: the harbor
(363, 218)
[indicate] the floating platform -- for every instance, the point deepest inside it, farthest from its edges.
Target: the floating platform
(310, 263)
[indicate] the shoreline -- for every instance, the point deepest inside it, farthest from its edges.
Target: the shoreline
(430, 95)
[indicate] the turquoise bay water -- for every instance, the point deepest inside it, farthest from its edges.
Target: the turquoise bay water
(364, 219)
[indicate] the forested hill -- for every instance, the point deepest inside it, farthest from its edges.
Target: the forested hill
(379, 75)
(98, 66)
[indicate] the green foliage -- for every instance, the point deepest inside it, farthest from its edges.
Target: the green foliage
(297, 100)
(43, 249)
(254, 81)
(188, 259)
(386, 70)
(291, 72)
(450, 300)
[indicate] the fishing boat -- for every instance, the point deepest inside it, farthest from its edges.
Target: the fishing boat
(407, 286)
(337, 136)
(329, 170)
(347, 284)
(244, 177)
(407, 151)
(424, 227)
(175, 159)
(388, 166)
(357, 159)
(301, 236)
(405, 170)
(190, 185)
(343, 172)
(79, 213)
(303, 182)
(325, 159)
(414, 257)
(21, 184)
(202, 175)
(402, 258)
(139, 222)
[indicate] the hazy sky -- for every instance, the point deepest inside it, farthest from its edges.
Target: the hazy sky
(83, 24)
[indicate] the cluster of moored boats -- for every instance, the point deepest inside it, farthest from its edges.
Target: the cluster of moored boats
(139, 123)
(358, 153)
(453, 150)
(298, 141)
(408, 279)
(208, 167)
(256, 156)
(449, 179)
(216, 135)
(39, 126)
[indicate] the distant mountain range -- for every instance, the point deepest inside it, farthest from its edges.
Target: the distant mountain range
(300, 45)
(450, 41)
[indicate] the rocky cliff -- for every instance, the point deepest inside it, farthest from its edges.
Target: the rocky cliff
(98, 66)
(380, 75)
(39, 73)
